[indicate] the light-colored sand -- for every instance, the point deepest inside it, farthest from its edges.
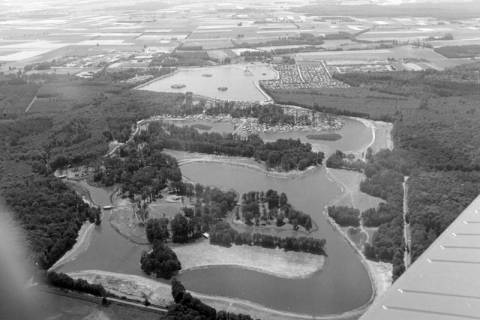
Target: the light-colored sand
(159, 293)
(383, 275)
(380, 273)
(277, 262)
(185, 158)
(130, 286)
(81, 244)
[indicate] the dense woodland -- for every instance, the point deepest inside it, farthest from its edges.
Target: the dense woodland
(345, 216)
(270, 205)
(188, 307)
(223, 234)
(160, 261)
(436, 145)
(283, 154)
(340, 160)
(51, 214)
(64, 281)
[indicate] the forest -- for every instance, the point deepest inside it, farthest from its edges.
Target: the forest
(283, 154)
(161, 261)
(51, 214)
(344, 216)
(265, 207)
(64, 281)
(186, 306)
(340, 160)
(223, 234)
(436, 145)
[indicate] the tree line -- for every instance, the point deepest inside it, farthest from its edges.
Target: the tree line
(282, 154)
(186, 306)
(270, 114)
(64, 281)
(223, 234)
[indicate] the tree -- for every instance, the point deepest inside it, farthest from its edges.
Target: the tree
(157, 229)
(180, 229)
(161, 261)
(283, 200)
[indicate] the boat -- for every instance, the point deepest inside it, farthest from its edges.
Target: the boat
(247, 72)
(222, 88)
(207, 75)
(178, 86)
(107, 207)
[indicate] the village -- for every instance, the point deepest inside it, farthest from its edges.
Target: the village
(302, 76)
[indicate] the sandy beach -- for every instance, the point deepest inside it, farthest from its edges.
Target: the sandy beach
(185, 158)
(159, 293)
(276, 262)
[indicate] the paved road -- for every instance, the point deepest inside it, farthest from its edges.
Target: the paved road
(98, 300)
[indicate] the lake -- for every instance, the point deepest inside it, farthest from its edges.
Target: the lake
(242, 83)
(342, 285)
(355, 135)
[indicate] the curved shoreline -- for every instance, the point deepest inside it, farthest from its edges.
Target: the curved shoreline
(81, 244)
(235, 303)
(250, 268)
(272, 261)
(158, 290)
(236, 161)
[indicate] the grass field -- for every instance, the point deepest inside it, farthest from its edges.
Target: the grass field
(62, 96)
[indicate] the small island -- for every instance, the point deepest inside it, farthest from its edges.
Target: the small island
(325, 136)
(207, 75)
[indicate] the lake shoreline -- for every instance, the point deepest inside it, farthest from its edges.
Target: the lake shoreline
(185, 158)
(159, 293)
(230, 304)
(276, 262)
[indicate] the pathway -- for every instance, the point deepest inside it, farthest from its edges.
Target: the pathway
(31, 104)
(407, 259)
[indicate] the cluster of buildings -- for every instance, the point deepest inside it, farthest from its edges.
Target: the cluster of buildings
(302, 76)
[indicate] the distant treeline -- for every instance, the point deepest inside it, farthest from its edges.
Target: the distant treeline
(266, 114)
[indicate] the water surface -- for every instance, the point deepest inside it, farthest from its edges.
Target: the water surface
(342, 285)
(242, 84)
